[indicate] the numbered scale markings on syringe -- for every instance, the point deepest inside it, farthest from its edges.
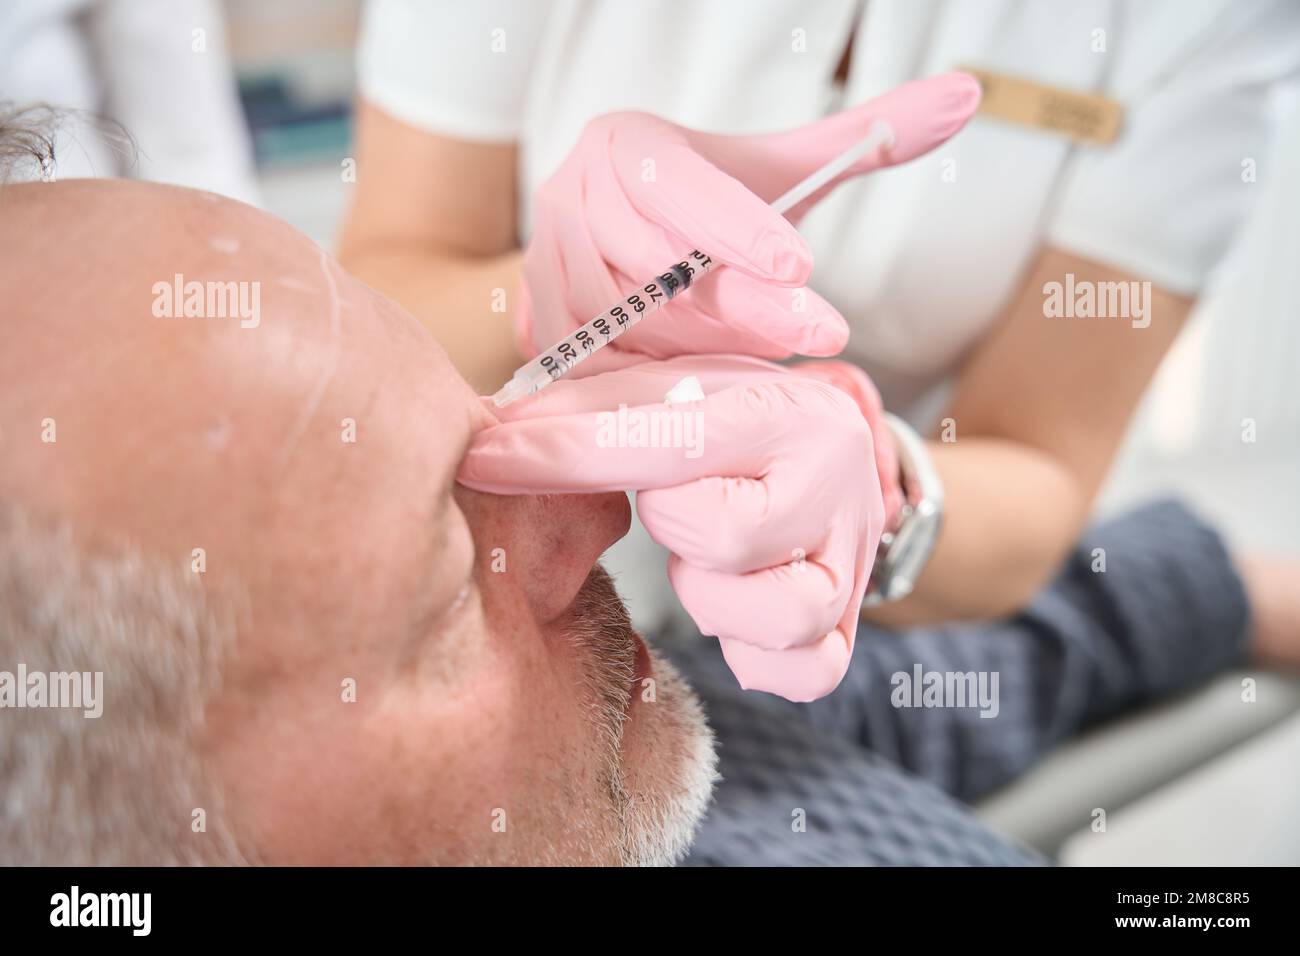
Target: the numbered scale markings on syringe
(612, 323)
(575, 348)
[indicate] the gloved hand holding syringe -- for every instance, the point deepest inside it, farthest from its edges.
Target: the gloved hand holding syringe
(556, 362)
(772, 522)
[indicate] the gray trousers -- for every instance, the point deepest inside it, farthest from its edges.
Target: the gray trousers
(857, 779)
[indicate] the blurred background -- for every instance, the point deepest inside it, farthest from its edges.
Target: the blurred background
(294, 64)
(1205, 779)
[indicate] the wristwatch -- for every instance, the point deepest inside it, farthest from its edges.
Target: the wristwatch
(903, 552)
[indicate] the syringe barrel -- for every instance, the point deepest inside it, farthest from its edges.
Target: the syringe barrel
(653, 295)
(580, 345)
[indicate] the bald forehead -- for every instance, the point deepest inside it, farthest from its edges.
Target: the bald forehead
(185, 341)
(158, 304)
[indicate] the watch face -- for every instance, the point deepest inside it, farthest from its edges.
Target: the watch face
(903, 554)
(911, 550)
(927, 535)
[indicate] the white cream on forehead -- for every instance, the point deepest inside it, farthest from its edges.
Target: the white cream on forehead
(328, 267)
(687, 390)
(223, 244)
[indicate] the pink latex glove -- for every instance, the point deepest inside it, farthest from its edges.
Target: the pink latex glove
(773, 524)
(637, 193)
(850, 379)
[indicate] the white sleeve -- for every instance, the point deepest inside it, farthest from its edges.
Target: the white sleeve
(455, 67)
(1164, 201)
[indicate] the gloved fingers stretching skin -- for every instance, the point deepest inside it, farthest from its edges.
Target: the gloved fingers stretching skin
(772, 511)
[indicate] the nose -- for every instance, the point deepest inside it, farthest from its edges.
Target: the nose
(548, 542)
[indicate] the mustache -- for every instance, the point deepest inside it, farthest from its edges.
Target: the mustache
(657, 826)
(601, 631)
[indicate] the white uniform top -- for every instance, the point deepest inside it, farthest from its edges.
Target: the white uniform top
(919, 262)
(920, 266)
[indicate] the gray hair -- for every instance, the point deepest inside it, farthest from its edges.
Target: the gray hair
(122, 789)
(26, 136)
(29, 137)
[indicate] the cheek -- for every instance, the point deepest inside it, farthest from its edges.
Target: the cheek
(418, 775)
(506, 743)
(516, 696)
(490, 720)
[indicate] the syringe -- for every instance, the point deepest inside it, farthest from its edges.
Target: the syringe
(580, 345)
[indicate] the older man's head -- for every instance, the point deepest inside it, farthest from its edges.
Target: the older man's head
(229, 486)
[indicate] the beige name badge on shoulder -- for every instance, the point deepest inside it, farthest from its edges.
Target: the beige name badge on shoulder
(1082, 117)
